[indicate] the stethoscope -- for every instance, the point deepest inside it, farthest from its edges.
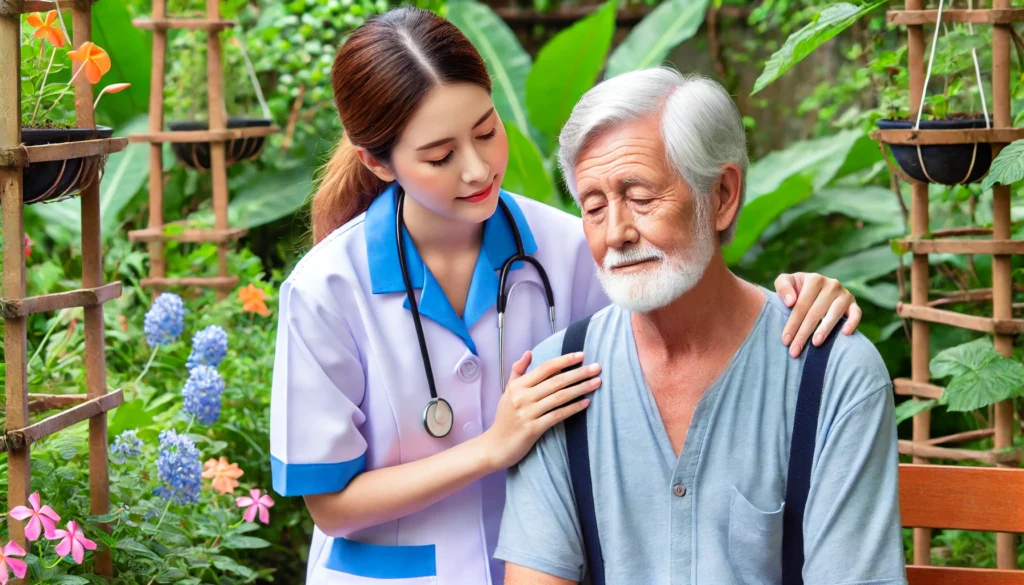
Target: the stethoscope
(438, 418)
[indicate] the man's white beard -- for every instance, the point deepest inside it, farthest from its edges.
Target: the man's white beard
(663, 282)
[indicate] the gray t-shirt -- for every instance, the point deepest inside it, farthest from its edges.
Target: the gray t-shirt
(713, 516)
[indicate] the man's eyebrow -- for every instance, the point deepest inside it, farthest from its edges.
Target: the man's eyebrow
(593, 191)
(441, 141)
(626, 182)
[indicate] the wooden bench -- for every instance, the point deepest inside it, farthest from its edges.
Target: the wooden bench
(984, 499)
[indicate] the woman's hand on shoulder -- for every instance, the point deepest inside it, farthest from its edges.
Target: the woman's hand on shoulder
(818, 303)
(536, 401)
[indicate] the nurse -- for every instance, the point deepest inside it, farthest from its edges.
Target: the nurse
(391, 502)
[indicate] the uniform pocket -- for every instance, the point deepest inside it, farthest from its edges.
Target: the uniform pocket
(755, 542)
(359, 563)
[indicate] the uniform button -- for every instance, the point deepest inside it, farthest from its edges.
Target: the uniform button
(679, 490)
(469, 371)
(471, 428)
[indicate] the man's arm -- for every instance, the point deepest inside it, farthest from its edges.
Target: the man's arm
(519, 575)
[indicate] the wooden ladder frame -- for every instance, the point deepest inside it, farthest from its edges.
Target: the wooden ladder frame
(15, 308)
(921, 310)
(217, 135)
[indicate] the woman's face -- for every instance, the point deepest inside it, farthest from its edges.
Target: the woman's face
(452, 154)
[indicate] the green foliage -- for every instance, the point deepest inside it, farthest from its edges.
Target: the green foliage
(829, 23)
(130, 62)
(979, 376)
(647, 45)
(1008, 166)
(526, 173)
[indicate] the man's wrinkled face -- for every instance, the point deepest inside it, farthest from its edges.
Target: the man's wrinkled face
(650, 235)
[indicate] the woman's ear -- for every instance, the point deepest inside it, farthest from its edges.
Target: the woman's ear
(375, 165)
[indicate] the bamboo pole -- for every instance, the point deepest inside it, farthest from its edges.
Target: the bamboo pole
(919, 271)
(92, 277)
(157, 265)
(218, 165)
(16, 378)
(1002, 283)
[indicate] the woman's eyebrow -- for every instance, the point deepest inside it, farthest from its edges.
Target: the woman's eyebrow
(441, 141)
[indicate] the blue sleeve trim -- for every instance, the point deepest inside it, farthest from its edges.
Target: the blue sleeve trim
(306, 479)
(375, 561)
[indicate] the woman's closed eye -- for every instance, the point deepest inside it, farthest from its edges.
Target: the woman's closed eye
(489, 135)
(448, 157)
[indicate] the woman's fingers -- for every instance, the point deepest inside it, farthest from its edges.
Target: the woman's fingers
(814, 315)
(563, 380)
(812, 285)
(853, 316)
(832, 316)
(519, 367)
(786, 286)
(556, 416)
(549, 368)
(566, 395)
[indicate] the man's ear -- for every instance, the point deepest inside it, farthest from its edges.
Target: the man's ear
(375, 165)
(727, 197)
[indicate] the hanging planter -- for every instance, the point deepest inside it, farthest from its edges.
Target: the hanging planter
(196, 155)
(51, 180)
(945, 164)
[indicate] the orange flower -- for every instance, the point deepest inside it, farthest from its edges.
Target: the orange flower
(94, 60)
(224, 474)
(252, 300)
(46, 29)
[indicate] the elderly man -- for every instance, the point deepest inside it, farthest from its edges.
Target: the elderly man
(688, 442)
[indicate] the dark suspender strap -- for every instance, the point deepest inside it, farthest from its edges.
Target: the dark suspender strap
(579, 465)
(801, 456)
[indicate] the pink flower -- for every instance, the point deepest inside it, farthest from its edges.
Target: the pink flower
(41, 517)
(73, 541)
(7, 559)
(256, 503)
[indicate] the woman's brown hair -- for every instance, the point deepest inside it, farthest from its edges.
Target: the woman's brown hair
(380, 75)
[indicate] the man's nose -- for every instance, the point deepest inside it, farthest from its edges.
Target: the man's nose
(475, 169)
(621, 229)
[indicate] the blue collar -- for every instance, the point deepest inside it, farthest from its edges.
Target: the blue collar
(386, 275)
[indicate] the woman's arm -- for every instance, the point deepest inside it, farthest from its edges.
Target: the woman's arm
(531, 404)
(814, 299)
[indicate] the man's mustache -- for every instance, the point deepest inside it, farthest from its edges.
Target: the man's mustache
(614, 258)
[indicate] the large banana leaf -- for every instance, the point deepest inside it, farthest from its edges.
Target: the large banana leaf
(566, 68)
(269, 197)
(829, 23)
(526, 174)
(123, 176)
(130, 51)
(650, 41)
(507, 62)
(787, 177)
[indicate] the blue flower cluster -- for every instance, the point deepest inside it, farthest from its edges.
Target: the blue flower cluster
(209, 347)
(165, 320)
(202, 394)
(126, 446)
(179, 468)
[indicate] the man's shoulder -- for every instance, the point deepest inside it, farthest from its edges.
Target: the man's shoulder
(552, 346)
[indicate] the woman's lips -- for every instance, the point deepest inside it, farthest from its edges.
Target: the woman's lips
(479, 195)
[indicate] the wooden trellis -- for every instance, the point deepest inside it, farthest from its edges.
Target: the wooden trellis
(20, 431)
(217, 135)
(923, 311)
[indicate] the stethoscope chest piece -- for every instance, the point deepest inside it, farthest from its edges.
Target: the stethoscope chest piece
(438, 417)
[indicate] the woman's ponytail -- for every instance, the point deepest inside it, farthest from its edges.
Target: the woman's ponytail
(346, 189)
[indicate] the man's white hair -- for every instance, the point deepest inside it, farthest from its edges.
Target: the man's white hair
(700, 126)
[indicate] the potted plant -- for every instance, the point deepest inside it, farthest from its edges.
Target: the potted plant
(189, 110)
(955, 108)
(49, 68)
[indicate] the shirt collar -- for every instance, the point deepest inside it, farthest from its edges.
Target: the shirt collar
(386, 276)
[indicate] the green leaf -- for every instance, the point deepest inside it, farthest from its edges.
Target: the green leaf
(1008, 167)
(759, 212)
(243, 542)
(268, 197)
(526, 174)
(567, 67)
(229, 565)
(829, 23)
(68, 580)
(869, 203)
(130, 50)
(130, 415)
(863, 266)
(132, 545)
(650, 41)
(910, 408)
(883, 294)
(123, 176)
(963, 358)
(507, 62)
(999, 380)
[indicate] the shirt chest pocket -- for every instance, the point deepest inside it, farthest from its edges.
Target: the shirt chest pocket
(357, 563)
(755, 542)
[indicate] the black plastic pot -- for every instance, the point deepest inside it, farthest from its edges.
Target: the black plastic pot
(196, 155)
(47, 181)
(946, 164)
